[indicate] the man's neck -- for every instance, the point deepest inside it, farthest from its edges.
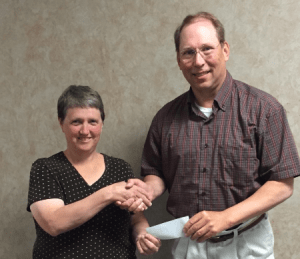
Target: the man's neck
(204, 99)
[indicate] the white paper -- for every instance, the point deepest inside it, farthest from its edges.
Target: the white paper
(170, 229)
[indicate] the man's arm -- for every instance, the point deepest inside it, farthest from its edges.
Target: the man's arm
(155, 184)
(206, 224)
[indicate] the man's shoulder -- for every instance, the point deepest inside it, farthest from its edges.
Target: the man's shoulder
(173, 106)
(252, 93)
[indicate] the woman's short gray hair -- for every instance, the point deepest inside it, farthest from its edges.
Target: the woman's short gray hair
(79, 96)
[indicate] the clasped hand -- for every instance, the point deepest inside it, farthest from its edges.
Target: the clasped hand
(141, 201)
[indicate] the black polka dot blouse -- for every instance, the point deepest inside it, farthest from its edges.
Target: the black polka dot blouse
(106, 235)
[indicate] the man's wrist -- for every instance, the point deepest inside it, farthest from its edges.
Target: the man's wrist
(156, 186)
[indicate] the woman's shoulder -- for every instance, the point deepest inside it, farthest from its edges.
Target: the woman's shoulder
(118, 167)
(46, 161)
(115, 161)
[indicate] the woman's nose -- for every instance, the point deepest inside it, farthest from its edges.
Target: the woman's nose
(84, 129)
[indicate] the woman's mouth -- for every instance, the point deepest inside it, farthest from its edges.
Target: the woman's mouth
(84, 139)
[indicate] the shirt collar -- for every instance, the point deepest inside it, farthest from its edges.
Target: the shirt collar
(190, 96)
(221, 96)
(224, 92)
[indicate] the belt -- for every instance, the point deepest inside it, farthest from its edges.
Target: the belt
(225, 237)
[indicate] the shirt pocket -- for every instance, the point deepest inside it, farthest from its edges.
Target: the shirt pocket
(240, 166)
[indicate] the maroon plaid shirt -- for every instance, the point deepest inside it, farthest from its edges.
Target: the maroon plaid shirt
(214, 163)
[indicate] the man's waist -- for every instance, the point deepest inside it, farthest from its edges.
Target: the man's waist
(229, 233)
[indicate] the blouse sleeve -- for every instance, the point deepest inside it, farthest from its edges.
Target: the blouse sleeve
(42, 184)
(129, 171)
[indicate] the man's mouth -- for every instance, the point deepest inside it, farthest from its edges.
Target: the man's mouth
(201, 73)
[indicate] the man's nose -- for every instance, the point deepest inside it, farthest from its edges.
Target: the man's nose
(198, 59)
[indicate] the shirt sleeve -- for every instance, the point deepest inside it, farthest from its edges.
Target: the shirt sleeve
(42, 184)
(277, 150)
(151, 158)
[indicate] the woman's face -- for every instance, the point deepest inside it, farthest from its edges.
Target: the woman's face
(82, 128)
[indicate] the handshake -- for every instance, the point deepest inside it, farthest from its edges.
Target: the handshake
(136, 197)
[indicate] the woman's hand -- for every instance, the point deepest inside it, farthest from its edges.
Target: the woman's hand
(147, 244)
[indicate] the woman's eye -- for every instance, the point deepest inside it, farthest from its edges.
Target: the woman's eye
(75, 122)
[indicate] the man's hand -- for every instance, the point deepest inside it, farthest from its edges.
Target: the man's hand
(137, 205)
(147, 244)
(123, 194)
(205, 225)
(141, 184)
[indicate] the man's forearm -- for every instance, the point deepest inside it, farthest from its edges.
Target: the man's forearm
(206, 224)
(268, 196)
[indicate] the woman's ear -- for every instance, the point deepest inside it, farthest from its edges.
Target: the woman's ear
(61, 123)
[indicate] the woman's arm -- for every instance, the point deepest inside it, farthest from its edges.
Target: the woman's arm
(146, 243)
(55, 217)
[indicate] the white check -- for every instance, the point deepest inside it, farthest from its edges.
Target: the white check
(170, 229)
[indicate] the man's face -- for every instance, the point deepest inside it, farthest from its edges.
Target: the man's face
(207, 68)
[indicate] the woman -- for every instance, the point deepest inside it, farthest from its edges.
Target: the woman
(72, 193)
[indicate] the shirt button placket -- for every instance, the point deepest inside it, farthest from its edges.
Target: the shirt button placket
(205, 162)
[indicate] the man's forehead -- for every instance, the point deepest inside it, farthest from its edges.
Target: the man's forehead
(200, 22)
(202, 26)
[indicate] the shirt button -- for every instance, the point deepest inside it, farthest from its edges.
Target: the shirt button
(206, 145)
(203, 193)
(204, 169)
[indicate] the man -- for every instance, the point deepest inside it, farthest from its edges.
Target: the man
(223, 150)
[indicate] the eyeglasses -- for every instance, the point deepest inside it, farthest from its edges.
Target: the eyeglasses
(205, 51)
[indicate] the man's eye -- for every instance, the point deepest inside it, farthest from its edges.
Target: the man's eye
(93, 122)
(205, 49)
(189, 52)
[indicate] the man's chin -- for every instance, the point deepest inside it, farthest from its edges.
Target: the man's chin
(202, 86)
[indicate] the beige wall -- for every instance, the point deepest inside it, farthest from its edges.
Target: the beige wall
(124, 49)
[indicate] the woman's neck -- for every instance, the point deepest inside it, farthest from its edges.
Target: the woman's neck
(80, 157)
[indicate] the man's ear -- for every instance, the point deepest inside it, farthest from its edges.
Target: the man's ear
(226, 50)
(178, 60)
